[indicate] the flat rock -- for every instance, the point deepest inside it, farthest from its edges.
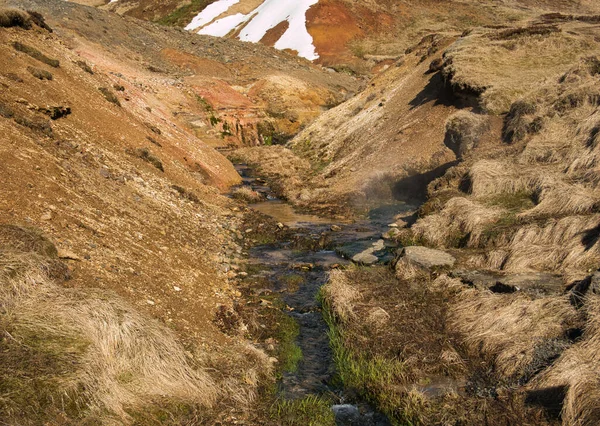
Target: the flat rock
(346, 414)
(536, 283)
(427, 258)
(365, 258)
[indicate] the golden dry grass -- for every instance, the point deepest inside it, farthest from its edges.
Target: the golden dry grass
(124, 361)
(509, 330)
(341, 295)
(577, 370)
(507, 69)
(460, 217)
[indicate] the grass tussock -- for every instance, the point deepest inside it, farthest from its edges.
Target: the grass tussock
(40, 73)
(461, 222)
(576, 373)
(85, 66)
(147, 156)
(82, 355)
(517, 334)
(247, 194)
(109, 96)
(38, 19)
(35, 54)
(463, 131)
(309, 411)
(14, 18)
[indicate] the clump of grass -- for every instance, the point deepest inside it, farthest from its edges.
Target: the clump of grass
(84, 66)
(82, 356)
(40, 73)
(186, 194)
(35, 124)
(517, 121)
(109, 96)
(147, 156)
(247, 194)
(38, 19)
(35, 54)
(14, 18)
(6, 111)
(312, 410)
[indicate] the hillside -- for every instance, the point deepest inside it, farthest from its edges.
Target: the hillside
(344, 34)
(116, 242)
(456, 141)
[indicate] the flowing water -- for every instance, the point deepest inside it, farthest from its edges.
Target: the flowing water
(316, 370)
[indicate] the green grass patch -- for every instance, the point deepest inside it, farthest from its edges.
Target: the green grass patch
(183, 16)
(312, 410)
(289, 353)
(293, 282)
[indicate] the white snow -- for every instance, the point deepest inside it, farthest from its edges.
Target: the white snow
(266, 16)
(209, 13)
(221, 27)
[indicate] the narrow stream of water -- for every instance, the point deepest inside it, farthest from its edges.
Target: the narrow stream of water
(316, 370)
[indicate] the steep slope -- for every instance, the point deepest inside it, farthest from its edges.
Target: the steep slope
(116, 244)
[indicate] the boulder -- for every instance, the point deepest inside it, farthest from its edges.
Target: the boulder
(346, 414)
(427, 258)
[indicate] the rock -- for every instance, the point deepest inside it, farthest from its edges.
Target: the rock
(68, 255)
(280, 225)
(428, 258)
(46, 216)
(176, 288)
(335, 228)
(379, 245)
(346, 414)
(536, 283)
(365, 258)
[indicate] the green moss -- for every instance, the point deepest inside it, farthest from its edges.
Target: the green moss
(309, 411)
(289, 353)
(182, 16)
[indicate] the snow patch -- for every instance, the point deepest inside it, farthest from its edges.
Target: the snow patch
(209, 13)
(266, 16)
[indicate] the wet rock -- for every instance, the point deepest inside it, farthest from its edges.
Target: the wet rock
(346, 415)
(427, 258)
(335, 228)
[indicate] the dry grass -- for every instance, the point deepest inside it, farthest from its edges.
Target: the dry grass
(460, 222)
(506, 70)
(517, 334)
(119, 359)
(14, 18)
(40, 73)
(109, 95)
(577, 372)
(341, 295)
(35, 54)
(247, 194)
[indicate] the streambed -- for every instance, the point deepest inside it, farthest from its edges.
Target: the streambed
(315, 372)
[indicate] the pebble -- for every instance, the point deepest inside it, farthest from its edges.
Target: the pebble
(176, 288)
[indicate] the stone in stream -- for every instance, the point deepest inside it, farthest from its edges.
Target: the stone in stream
(347, 415)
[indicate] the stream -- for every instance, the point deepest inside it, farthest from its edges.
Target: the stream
(343, 241)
